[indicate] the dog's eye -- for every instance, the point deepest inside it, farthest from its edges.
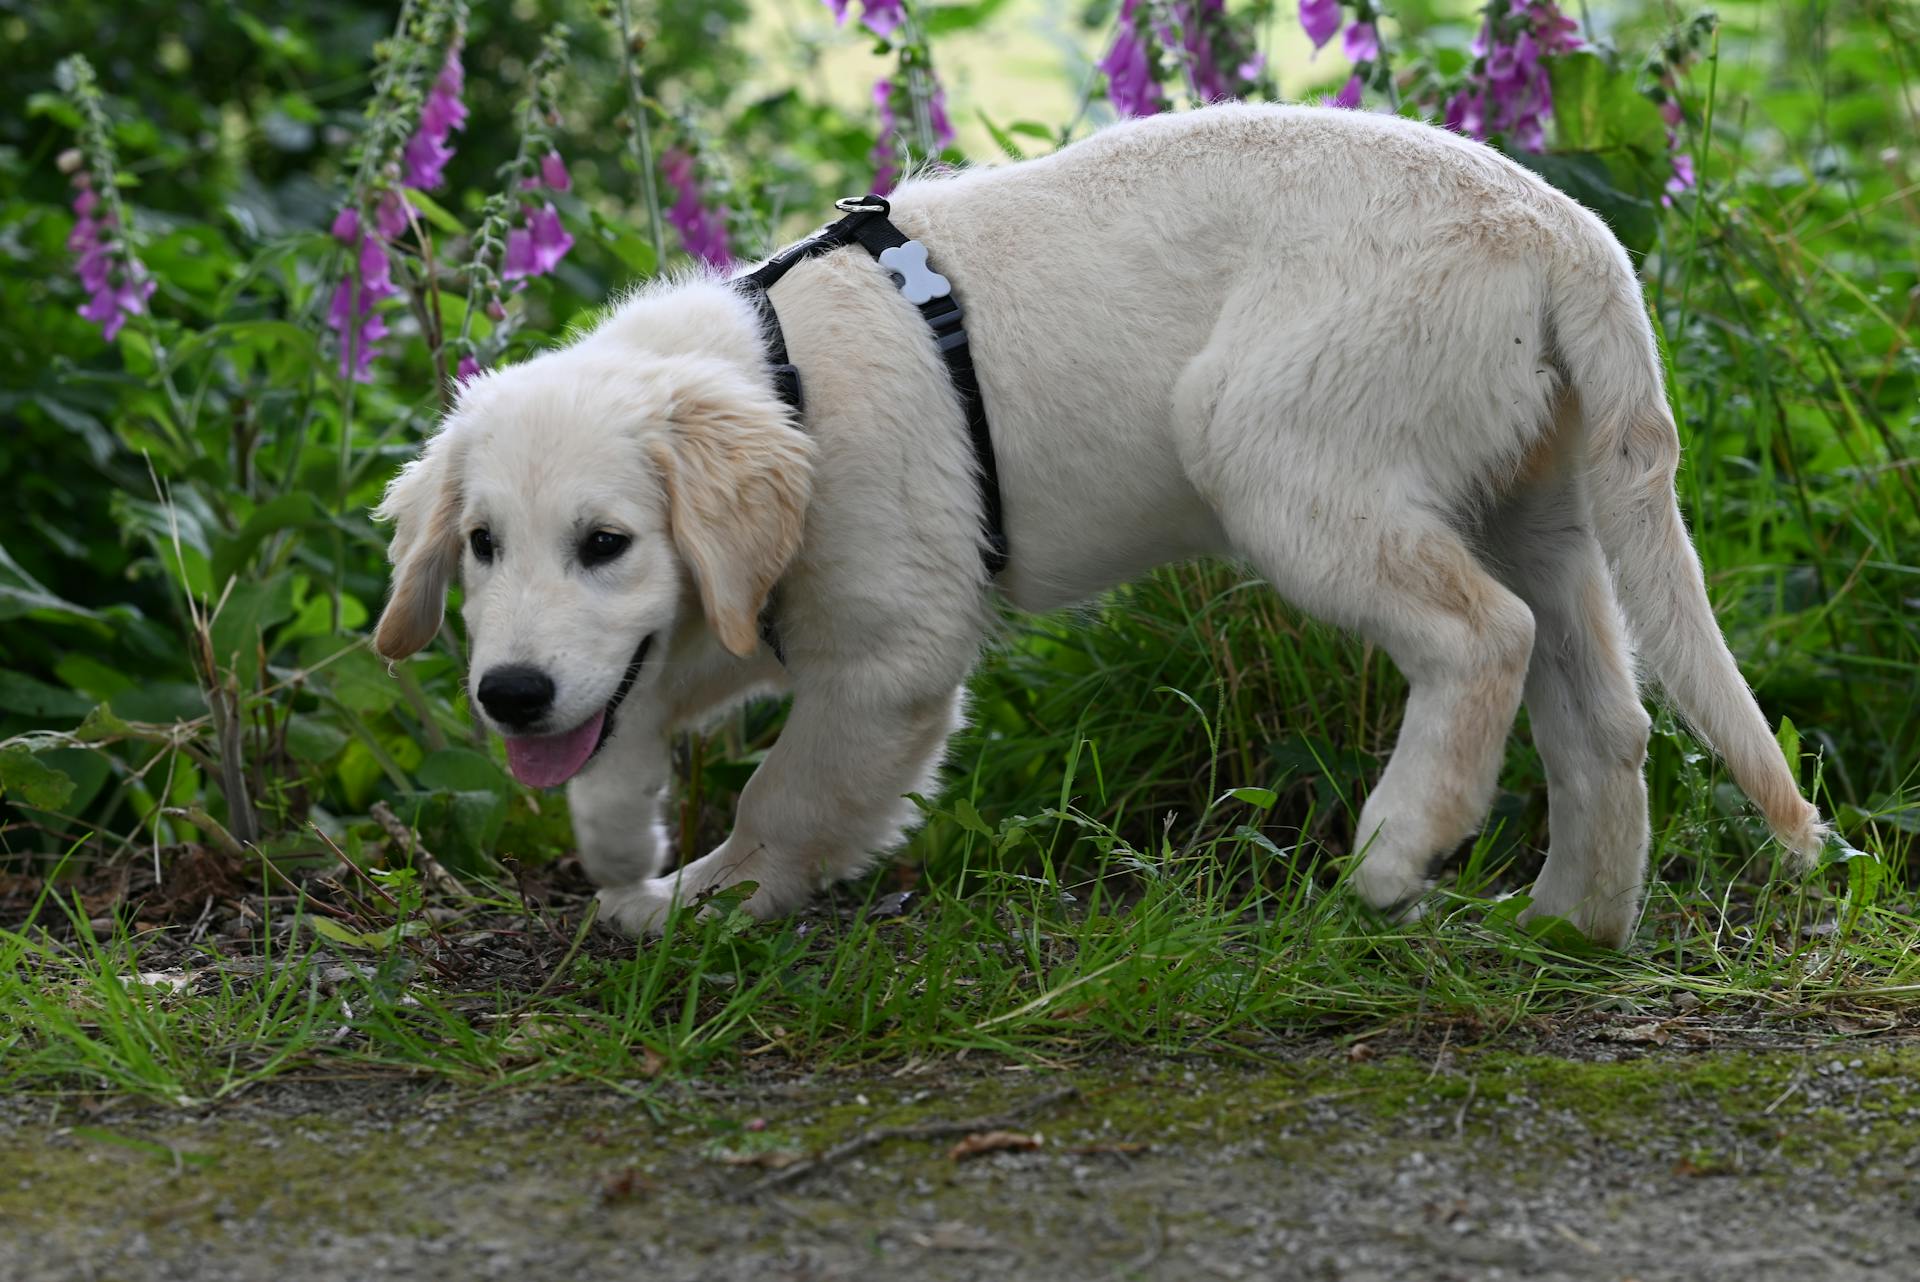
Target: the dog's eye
(601, 547)
(481, 541)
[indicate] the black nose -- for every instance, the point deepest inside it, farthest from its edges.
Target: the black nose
(516, 695)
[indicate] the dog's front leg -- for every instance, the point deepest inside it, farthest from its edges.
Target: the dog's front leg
(828, 798)
(615, 803)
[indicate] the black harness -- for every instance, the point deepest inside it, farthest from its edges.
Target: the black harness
(867, 226)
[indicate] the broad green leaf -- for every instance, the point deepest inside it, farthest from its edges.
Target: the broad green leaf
(248, 612)
(1258, 798)
(1598, 109)
(30, 781)
(32, 697)
(434, 212)
(461, 770)
(299, 510)
(23, 596)
(969, 818)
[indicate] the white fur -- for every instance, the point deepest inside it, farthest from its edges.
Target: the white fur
(1402, 377)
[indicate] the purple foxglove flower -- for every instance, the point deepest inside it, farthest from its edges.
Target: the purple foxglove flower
(883, 152)
(553, 172)
(390, 215)
(1320, 19)
(703, 230)
(937, 115)
(424, 159)
(1670, 112)
(1132, 85)
(86, 202)
(352, 315)
(1249, 71)
(346, 225)
(1349, 95)
(95, 268)
(112, 304)
(468, 367)
(881, 17)
(537, 248)
(1683, 177)
(1361, 43)
(839, 10)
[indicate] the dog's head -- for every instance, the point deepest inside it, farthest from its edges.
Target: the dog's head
(577, 496)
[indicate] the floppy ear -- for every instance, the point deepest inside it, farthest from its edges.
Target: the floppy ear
(738, 475)
(423, 502)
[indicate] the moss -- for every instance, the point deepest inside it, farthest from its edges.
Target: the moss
(549, 1156)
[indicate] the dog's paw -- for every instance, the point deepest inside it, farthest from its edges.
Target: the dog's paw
(639, 910)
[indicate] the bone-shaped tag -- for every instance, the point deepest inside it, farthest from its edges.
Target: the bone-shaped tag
(918, 282)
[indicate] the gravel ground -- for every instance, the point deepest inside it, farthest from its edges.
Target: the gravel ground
(1794, 1164)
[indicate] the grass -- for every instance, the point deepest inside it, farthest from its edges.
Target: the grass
(1145, 833)
(1225, 946)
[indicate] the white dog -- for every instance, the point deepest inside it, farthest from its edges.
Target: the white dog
(1410, 383)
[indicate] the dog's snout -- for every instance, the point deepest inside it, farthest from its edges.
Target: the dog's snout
(516, 695)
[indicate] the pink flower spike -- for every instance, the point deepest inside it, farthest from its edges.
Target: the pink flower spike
(86, 202)
(346, 225)
(1361, 42)
(390, 216)
(1349, 95)
(881, 17)
(1320, 19)
(1683, 176)
(553, 172)
(536, 249)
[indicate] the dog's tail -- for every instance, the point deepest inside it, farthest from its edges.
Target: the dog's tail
(1607, 351)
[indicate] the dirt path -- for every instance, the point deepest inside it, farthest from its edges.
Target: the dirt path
(1802, 1165)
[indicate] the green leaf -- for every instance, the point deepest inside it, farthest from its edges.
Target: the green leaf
(312, 740)
(23, 596)
(461, 770)
(967, 817)
(945, 19)
(1596, 108)
(1259, 798)
(32, 697)
(248, 612)
(629, 246)
(31, 781)
(288, 512)
(1001, 137)
(329, 929)
(435, 214)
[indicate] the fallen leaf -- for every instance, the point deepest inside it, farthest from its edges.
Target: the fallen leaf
(1640, 1034)
(992, 1142)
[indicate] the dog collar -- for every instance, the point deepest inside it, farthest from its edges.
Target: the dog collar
(866, 224)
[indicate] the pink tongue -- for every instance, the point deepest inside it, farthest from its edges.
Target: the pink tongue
(549, 760)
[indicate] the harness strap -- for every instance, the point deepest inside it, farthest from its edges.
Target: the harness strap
(866, 224)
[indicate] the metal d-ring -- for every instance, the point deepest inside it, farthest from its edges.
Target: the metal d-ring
(867, 204)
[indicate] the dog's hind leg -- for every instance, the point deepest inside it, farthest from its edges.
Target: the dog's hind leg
(1367, 551)
(1588, 721)
(1407, 582)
